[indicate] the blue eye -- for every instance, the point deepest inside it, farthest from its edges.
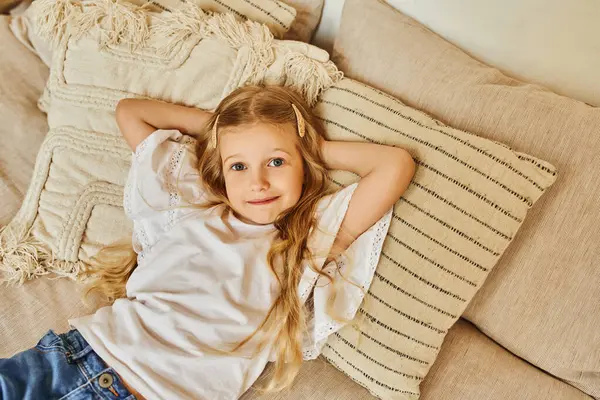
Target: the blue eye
(236, 165)
(276, 162)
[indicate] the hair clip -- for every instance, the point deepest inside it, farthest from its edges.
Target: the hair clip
(299, 120)
(214, 133)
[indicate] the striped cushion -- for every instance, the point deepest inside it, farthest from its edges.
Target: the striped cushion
(277, 15)
(465, 204)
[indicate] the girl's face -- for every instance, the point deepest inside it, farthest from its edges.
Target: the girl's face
(263, 170)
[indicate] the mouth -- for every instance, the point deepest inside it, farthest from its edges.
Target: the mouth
(263, 201)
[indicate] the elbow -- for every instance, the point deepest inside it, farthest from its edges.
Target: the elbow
(404, 162)
(126, 115)
(409, 164)
(122, 111)
(404, 171)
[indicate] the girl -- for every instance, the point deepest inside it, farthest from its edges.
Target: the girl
(240, 254)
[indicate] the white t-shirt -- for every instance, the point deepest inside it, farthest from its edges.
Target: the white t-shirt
(203, 282)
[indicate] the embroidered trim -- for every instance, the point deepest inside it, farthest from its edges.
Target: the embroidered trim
(127, 199)
(142, 237)
(139, 151)
(321, 333)
(171, 175)
(310, 284)
(139, 238)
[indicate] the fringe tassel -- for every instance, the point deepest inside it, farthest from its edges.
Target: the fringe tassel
(178, 26)
(51, 18)
(309, 77)
(239, 34)
(22, 256)
(67, 269)
(118, 22)
(249, 35)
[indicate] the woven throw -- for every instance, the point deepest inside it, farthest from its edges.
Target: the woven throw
(468, 198)
(106, 51)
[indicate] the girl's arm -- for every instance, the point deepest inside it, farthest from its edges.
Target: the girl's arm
(385, 173)
(138, 118)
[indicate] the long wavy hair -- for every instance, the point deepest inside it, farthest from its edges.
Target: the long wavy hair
(285, 322)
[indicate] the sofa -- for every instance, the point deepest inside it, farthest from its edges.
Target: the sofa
(478, 360)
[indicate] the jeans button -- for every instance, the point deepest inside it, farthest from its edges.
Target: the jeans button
(105, 380)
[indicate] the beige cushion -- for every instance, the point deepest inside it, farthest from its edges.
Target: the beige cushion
(548, 42)
(23, 27)
(541, 302)
(28, 311)
(317, 379)
(472, 366)
(22, 77)
(464, 206)
(74, 202)
(308, 14)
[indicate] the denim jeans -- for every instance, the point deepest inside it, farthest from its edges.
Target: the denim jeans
(61, 367)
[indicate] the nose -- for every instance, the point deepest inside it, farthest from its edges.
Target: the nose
(260, 181)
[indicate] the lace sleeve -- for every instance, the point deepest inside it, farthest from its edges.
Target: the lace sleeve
(163, 176)
(357, 265)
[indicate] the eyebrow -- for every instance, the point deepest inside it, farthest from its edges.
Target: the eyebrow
(274, 150)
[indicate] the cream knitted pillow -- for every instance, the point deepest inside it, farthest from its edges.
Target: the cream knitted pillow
(464, 206)
(107, 51)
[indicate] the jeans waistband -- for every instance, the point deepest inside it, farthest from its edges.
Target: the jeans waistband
(76, 345)
(103, 378)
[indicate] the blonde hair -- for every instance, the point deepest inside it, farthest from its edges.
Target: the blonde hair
(286, 319)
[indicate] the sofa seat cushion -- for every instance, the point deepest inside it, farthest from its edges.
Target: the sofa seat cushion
(24, 126)
(472, 366)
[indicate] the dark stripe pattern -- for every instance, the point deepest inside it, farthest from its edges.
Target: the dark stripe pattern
(440, 149)
(418, 321)
(353, 347)
(364, 374)
(397, 332)
(429, 167)
(416, 297)
(286, 7)
(261, 9)
(463, 141)
(422, 256)
(412, 296)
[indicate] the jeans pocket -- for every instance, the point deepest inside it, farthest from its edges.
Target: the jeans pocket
(50, 342)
